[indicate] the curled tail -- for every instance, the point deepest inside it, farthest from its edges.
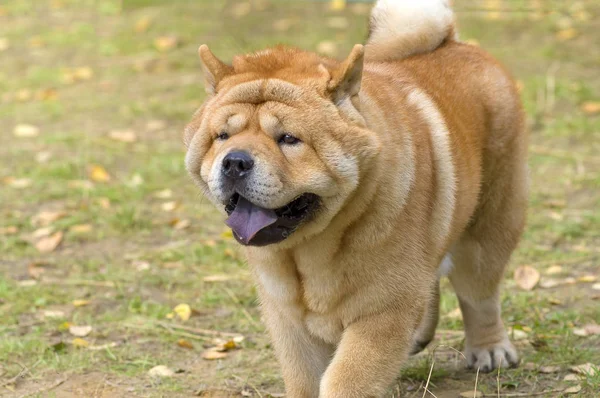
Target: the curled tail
(401, 28)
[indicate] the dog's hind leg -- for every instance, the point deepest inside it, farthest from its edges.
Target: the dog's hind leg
(426, 331)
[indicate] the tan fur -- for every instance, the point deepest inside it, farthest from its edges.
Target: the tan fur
(347, 296)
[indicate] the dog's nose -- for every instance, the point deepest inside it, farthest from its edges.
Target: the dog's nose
(237, 165)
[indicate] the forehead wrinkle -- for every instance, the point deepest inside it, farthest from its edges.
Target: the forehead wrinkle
(262, 90)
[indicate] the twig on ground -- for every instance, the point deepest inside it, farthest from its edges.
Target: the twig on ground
(525, 394)
(208, 332)
(24, 370)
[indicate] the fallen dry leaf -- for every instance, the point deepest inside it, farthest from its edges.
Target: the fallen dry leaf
(35, 270)
(526, 277)
(212, 355)
(169, 206)
(79, 342)
(141, 265)
(337, 5)
(161, 371)
(553, 270)
(173, 265)
(587, 278)
(26, 131)
(103, 346)
(49, 243)
(104, 203)
(142, 24)
(588, 330)
(18, 183)
(83, 73)
(596, 286)
(549, 369)
(180, 224)
(99, 174)
(80, 331)
(81, 303)
(4, 44)
(183, 311)
(588, 369)
(166, 43)
(517, 334)
(81, 228)
(567, 34)
(42, 232)
(53, 314)
(571, 377)
(164, 194)
(591, 108)
(81, 184)
(185, 344)
(47, 217)
(123, 135)
(136, 180)
(10, 230)
(572, 390)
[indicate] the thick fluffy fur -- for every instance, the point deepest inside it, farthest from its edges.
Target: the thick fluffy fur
(419, 161)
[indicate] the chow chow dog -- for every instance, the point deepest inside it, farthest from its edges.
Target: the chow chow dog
(355, 185)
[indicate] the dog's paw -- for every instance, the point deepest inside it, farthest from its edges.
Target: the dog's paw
(492, 356)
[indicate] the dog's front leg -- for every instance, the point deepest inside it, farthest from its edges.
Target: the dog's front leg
(369, 356)
(303, 357)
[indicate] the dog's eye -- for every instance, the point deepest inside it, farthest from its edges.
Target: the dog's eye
(288, 139)
(222, 136)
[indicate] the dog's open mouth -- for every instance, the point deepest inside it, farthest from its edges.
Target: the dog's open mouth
(253, 225)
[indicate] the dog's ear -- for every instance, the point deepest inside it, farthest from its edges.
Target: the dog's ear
(214, 69)
(346, 77)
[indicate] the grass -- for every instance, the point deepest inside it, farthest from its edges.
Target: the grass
(151, 241)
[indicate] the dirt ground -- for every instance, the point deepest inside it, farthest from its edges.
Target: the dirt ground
(117, 279)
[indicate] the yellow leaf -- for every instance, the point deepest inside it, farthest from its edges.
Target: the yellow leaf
(49, 243)
(4, 44)
(47, 217)
(166, 43)
(572, 390)
(170, 315)
(183, 311)
(185, 344)
(79, 342)
(81, 228)
(553, 270)
(566, 34)
(526, 277)
(64, 326)
(142, 24)
(587, 278)
(180, 224)
(81, 303)
(227, 234)
(212, 355)
(99, 174)
(591, 108)
(337, 5)
(83, 73)
(42, 232)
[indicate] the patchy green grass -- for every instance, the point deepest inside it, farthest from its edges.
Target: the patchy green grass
(139, 239)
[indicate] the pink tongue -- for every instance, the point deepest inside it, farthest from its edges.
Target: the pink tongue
(248, 219)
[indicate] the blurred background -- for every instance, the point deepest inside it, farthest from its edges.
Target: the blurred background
(118, 279)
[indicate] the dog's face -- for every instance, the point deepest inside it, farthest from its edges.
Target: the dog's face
(279, 150)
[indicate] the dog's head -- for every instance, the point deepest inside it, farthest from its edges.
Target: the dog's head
(280, 144)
